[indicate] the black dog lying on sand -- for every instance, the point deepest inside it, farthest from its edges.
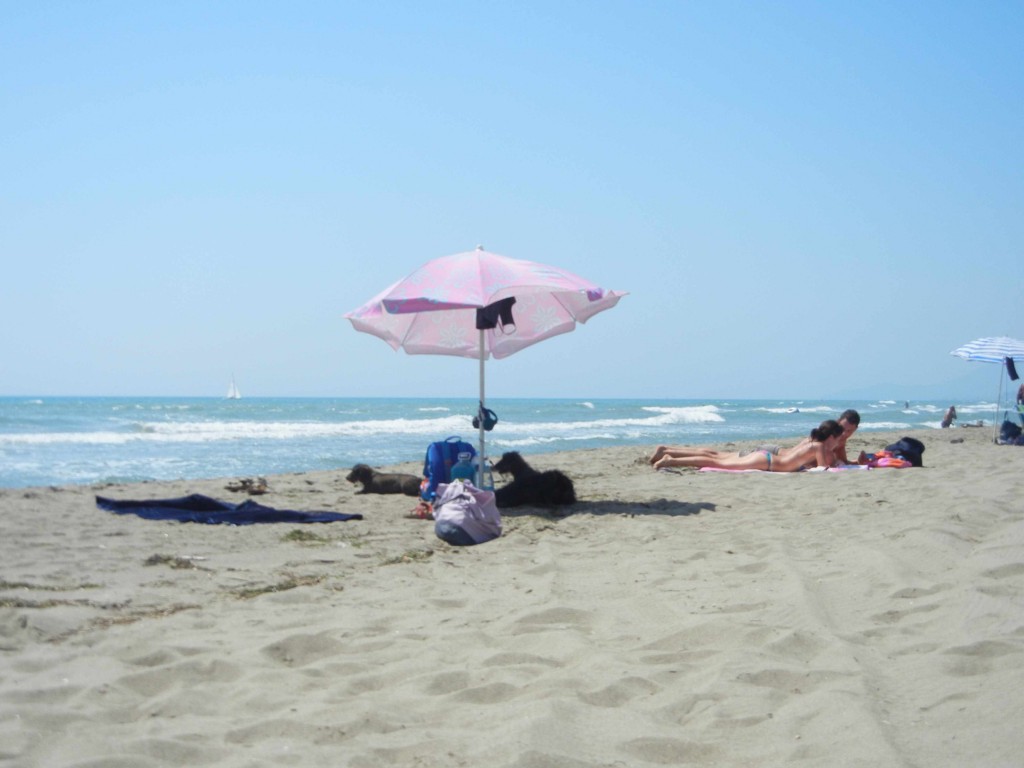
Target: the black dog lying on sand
(530, 486)
(383, 482)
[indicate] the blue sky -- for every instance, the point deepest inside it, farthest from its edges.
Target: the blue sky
(803, 199)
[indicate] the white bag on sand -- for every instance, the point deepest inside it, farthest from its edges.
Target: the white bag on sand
(473, 510)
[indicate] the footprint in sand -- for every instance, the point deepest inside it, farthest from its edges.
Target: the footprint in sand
(457, 684)
(977, 658)
(181, 676)
(670, 751)
(521, 660)
(620, 692)
(799, 646)
(1004, 571)
(491, 693)
(553, 618)
(300, 650)
(446, 683)
(894, 616)
(786, 680)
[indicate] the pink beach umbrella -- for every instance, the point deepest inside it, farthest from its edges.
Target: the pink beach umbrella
(478, 304)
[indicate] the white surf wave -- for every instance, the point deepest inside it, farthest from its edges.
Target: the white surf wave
(693, 414)
(430, 429)
(886, 425)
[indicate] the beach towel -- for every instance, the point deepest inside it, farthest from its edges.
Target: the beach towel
(799, 472)
(743, 471)
(204, 509)
(887, 459)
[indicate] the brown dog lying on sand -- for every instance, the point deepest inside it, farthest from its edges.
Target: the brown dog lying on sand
(383, 482)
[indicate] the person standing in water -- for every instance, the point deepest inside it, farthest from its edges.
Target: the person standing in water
(949, 418)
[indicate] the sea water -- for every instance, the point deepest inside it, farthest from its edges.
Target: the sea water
(68, 440)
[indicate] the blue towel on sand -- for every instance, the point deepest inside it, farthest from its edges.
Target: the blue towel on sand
(203, 509)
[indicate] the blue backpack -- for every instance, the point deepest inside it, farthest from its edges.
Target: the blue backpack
(437, 467)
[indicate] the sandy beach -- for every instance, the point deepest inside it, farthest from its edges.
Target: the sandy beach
(857, 618)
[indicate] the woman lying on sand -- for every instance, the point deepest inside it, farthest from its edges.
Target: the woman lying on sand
(815, 451)
(849, 420)
(687, 452)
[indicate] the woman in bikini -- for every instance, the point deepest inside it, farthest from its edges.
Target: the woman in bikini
(816, 451)
(849, 420)
(686, 452)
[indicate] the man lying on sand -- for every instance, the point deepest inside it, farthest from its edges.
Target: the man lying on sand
(849, 420)
(818, 450)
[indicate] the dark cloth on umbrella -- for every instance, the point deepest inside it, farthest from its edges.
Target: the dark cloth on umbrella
(204, 509)
(499, 312)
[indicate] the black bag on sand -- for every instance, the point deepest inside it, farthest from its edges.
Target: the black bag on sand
(908, 448)
(1008, 432)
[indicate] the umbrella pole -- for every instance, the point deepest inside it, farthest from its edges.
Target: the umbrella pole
(999, 404)
(480, 417)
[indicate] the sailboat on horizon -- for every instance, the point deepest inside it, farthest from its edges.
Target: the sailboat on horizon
(233, 393)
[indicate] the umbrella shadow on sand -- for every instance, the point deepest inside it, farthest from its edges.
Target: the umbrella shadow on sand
(667, 507)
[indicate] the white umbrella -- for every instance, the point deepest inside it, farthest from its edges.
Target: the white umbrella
(993, 349)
